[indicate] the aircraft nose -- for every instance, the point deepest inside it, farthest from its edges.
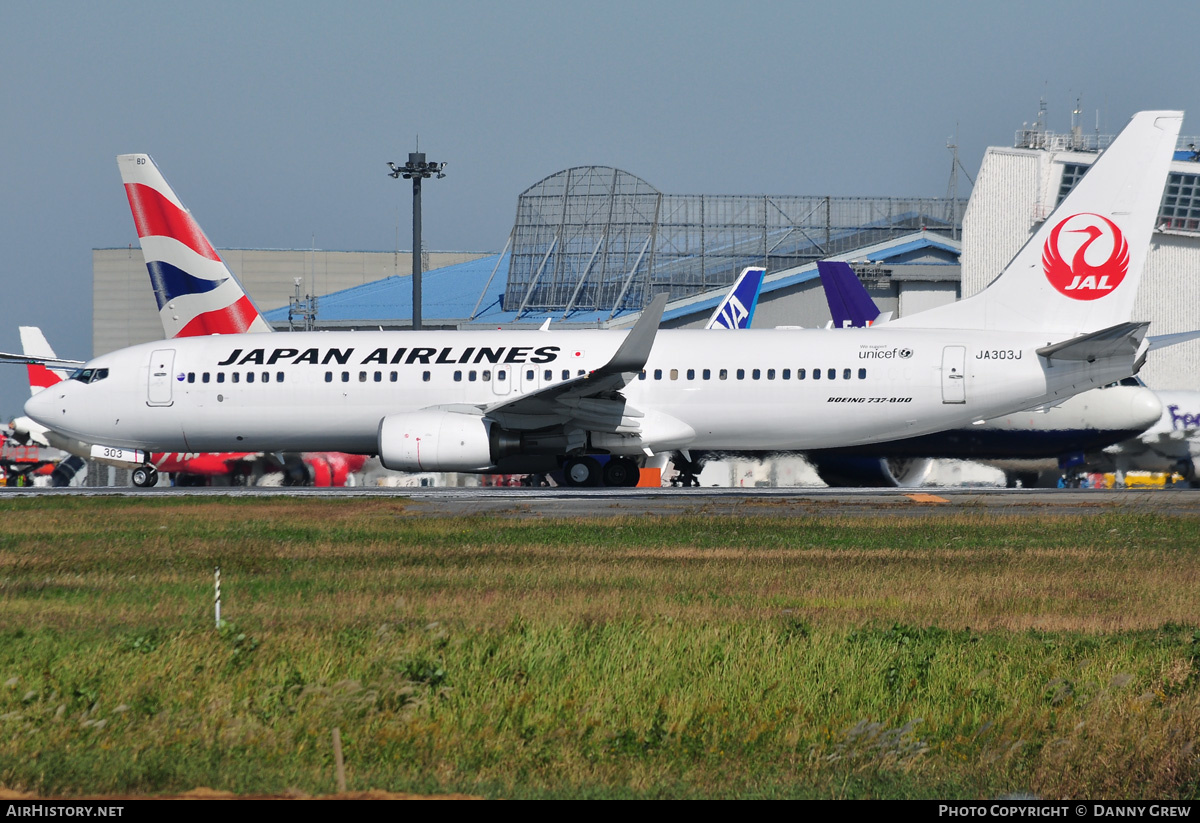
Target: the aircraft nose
(1145, 407)
(44, 406)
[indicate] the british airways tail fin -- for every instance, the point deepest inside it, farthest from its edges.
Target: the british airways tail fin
(849, 302)
(737, 309)
(197, 294)
(1080, 270)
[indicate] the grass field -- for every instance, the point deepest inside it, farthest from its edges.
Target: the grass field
(950, 656)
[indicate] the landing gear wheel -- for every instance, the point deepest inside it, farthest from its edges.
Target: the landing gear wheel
(621, 471)
(581, 471)
(144, 476)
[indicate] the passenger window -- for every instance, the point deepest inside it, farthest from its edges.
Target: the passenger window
(580, 373)
(756, 374)
(529, 374)
(786, 375)
(345, 377)
(845, 374)
(487, 375)
(674, 374)
(862, 374)
(191, 377)
(816, 374)
(220, 377)
(425, 376)
(249, 377)
(832, 375)
(328, 377)
(800, 374)
(706, 374)
(362, 377)
(566, 374)
(642, 374)
(502, 374)
(278, 377)
(770, 374)
(548, 375)
(691, 374)
(392, 377)
(266, 377)
(378, 377)
(741, 374)
(458, 377)
(723, 374)
(658, 374)
(204, 377)
(236, 376)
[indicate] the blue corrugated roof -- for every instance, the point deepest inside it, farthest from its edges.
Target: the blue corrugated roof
(449, 294)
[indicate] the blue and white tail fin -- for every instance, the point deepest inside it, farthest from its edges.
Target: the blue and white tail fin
(849, 303)
(737, 309)
(197, 294)
(1080, 270)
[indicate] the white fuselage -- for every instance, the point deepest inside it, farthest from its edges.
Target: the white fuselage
(743, 391)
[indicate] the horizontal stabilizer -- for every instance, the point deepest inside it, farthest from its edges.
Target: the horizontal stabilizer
(1162, 341)
(1121, 339)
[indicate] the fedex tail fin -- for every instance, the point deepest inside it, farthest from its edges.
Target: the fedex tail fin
(737, 309)
(33, 344)
(197, 294)
(849, 302)
(1080, 270)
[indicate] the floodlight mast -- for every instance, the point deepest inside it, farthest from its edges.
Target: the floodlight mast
(416, 169)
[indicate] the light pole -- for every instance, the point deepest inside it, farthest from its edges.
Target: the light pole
(416, 169)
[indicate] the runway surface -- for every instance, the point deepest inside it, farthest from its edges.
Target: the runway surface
(775, 502)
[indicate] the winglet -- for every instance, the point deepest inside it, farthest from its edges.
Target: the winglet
(635, 348)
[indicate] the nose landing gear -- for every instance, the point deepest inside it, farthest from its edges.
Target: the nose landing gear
(144, 476)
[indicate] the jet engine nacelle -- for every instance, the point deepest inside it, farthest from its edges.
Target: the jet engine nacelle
(437, 441)
(873, 472)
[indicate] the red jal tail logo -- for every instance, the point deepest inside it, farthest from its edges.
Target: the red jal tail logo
(1099, 257)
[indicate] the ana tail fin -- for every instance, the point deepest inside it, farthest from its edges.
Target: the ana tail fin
(737, 309)
(1080, 270)
(197, 294)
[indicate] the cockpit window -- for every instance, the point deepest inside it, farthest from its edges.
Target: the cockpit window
(88, 375)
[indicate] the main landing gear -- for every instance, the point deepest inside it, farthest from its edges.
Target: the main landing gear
(587, 471)
(144, 476)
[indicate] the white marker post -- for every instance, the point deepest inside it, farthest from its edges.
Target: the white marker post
(217, 601)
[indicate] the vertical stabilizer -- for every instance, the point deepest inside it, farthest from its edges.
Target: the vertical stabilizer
(196, 292)
(1080, 270)
(34, 344)
(736, 311)
(849, 302)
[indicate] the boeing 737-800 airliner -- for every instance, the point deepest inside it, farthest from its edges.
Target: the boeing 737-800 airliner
(1054, 323)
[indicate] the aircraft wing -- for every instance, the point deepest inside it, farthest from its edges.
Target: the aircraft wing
(49, 362)
(593, 401)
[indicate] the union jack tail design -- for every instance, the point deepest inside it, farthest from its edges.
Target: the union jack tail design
(197, 294)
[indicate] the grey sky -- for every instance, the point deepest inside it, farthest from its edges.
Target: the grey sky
(274, 120)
